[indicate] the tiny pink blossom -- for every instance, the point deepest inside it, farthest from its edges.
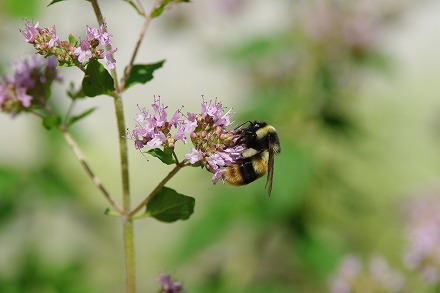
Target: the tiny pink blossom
(24, 98)
(30, 32)
(83, 51)
(109, 60)
(100, 34)
(157, 139)
(195, 156)
(218, 174)
(55, 40)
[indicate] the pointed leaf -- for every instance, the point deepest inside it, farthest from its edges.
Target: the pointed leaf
(135, 7)
(51, 122)
(142, 73)
(158, 11)
(169, 206)
(97, 80)
(165, 156)
(72, 40)
(56, 1)
(76, 118)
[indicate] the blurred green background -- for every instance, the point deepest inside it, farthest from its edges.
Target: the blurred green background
(351, 87)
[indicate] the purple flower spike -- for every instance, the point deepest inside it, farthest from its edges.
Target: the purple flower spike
(27, 88)
(168, 286)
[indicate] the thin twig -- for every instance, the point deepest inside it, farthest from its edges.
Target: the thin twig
(157, 189)
(80, 156)
(140, 7)
(144, 29)
(69, 111)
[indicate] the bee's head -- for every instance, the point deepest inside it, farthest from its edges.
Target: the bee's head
(254, 126)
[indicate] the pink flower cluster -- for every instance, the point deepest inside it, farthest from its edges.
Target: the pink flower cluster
(71, 52)
(154, 129)
(422, 227)
(352, 276)
(214, 145)
(167, 284)
(30, 84)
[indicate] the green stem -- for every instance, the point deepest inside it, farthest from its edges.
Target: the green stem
(127, 220)
(130, 274)
(145, 25)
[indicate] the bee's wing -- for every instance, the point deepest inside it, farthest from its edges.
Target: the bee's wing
(270, 172)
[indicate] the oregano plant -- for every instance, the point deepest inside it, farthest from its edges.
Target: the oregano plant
(155, 131)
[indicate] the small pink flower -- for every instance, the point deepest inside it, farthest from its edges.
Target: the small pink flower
(30, 32)
(195, 156)
(83, 51)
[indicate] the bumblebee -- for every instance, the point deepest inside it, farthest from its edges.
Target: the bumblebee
(261, 143)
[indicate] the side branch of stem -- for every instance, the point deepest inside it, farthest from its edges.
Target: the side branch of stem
(141, 37)
(157, 189)
(80, 156)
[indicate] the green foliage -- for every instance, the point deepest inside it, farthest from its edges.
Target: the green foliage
(216, 219)
(142, 73)
(163, 4)
(158, 11)
(75, 94)
(134, 6)
(169, 206)
(72, 40)
(76, 118)
(19, 8)
(97, 81)
(36, 275)
(56, 1)
(165, 156)
(51, 122)
(9, 186)
(35, 198)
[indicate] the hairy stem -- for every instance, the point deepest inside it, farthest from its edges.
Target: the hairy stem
(158, 188)
(80, 156)
(126, 201)
(123, 154)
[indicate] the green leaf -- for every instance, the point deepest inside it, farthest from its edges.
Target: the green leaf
(158, 11)
(169, 206)
(56, 1)
(142, 73)
(51, 122)
(72, 40)
(97, 80)
(165, 156)
(135, 7)
(76, 118)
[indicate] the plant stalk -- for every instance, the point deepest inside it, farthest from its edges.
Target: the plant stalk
(126, 201)
(130, 285)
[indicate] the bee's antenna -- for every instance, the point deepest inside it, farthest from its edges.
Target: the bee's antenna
(241, 125)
